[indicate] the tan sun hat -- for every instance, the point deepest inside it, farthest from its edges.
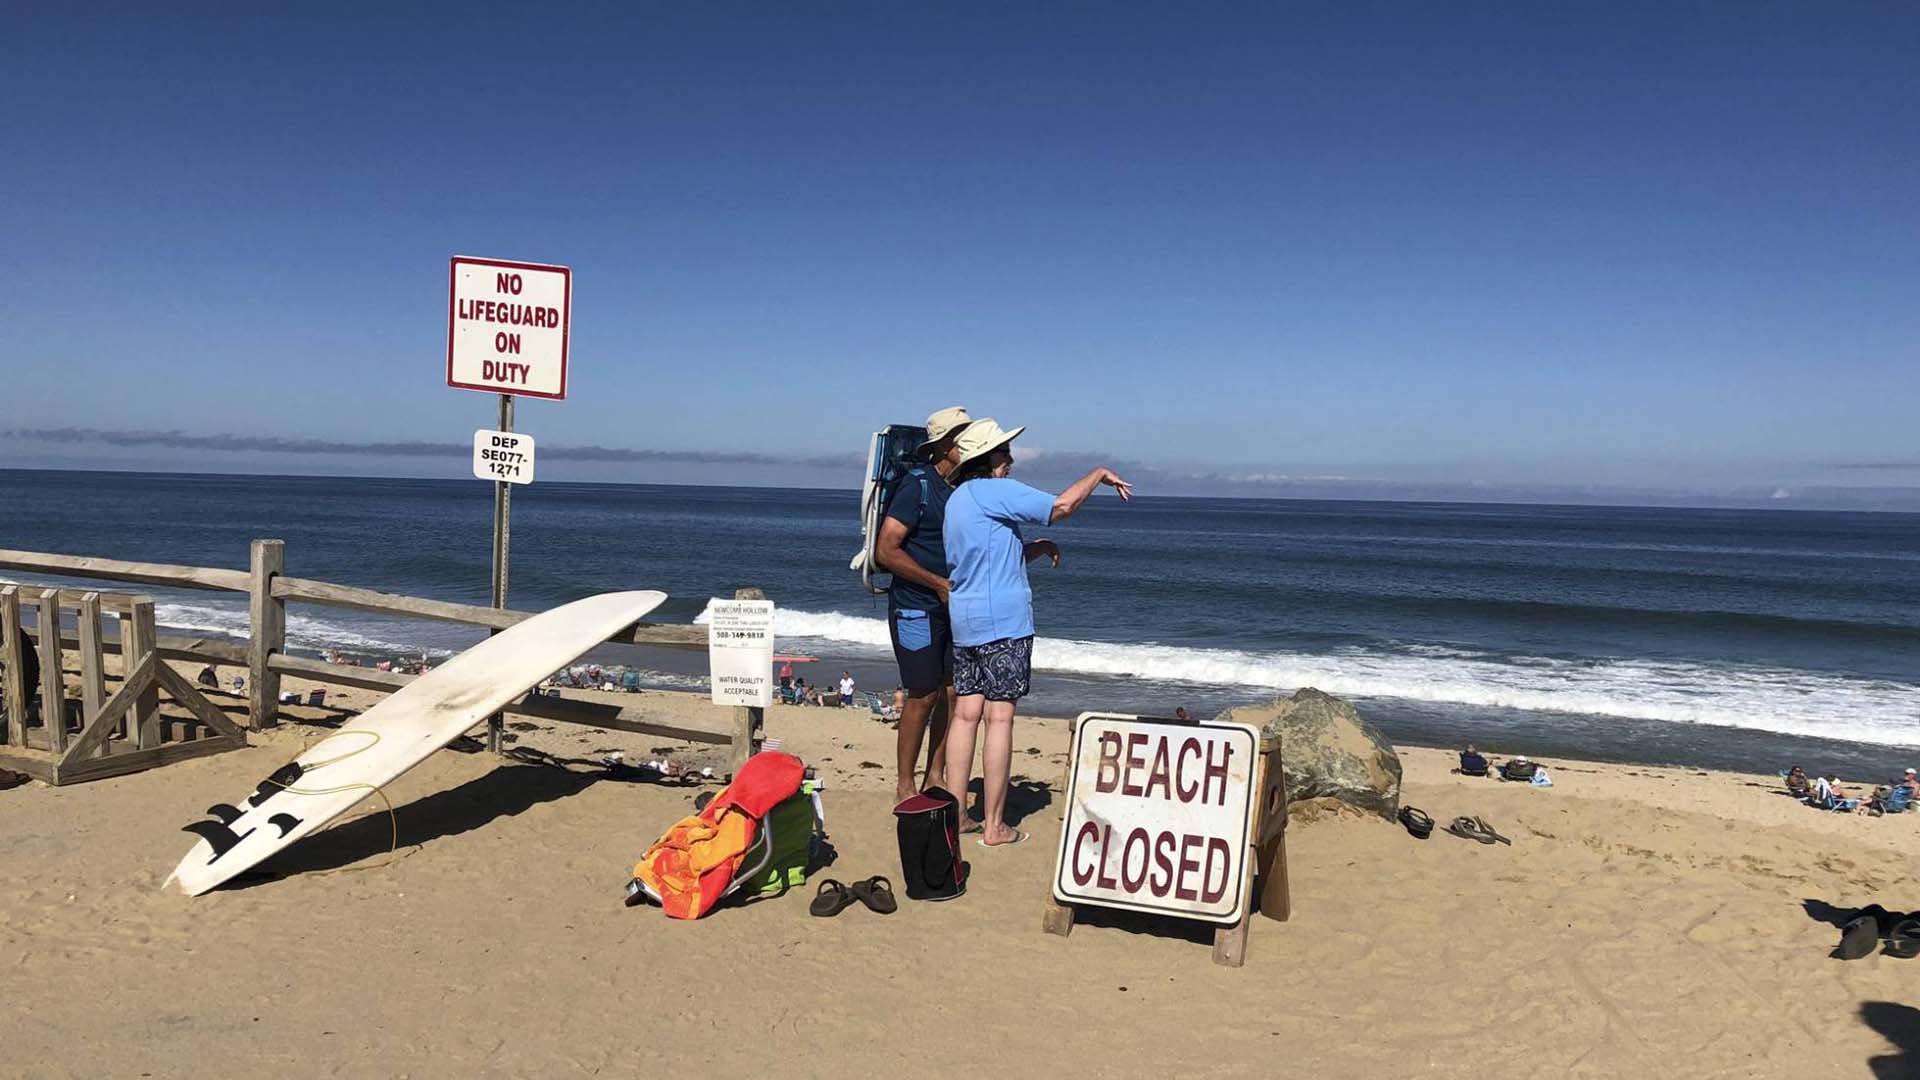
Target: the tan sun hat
(949, 421)
(983, 437)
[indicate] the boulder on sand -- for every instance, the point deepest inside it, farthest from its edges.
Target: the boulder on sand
(1329, 752)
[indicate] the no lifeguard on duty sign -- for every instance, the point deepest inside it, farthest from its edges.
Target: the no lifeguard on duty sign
(507, 327)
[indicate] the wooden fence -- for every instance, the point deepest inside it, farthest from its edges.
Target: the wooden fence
(269, 589)
(121, 734)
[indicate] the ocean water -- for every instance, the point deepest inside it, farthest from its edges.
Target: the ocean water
(1722, 638)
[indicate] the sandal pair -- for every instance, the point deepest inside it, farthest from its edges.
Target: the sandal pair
(876, 892)
(1476, 828)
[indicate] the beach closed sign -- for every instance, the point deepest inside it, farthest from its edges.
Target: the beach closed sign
(740, 652)
(507, 327)
(1160, 815)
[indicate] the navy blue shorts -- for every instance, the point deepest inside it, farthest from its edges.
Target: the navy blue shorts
(999, 670)
(922, 646)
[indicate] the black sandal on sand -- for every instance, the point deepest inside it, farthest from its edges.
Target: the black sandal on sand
(877, 893)
(1858, 938)
(1491, 831)
(1417, 822)
(1904, 941)
(831, 900)
(1467, 829)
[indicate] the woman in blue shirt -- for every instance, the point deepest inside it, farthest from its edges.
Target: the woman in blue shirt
(991, 605)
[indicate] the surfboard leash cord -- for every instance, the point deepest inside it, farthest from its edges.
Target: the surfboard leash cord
(393, 819)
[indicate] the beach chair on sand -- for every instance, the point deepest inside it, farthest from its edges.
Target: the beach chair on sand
(630, 682)
(1897, 800)
(789, 696)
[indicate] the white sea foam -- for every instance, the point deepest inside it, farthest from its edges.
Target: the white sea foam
(1785, 700)
(230, 620)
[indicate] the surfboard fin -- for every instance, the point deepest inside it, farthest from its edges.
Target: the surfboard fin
(217, 835)
(287, 822)
(228, 814)
(283, 777)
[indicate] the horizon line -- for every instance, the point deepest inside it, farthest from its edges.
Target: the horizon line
(1780, 507)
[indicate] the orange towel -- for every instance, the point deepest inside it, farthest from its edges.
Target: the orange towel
(691, 867)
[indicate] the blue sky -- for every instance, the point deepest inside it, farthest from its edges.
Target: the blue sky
(1521, 248)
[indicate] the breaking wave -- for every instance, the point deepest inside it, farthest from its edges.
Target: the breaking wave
(1785, 700)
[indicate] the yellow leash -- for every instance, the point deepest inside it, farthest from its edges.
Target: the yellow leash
(393, 853)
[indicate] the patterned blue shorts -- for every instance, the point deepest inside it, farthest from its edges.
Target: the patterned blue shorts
(1000, 670)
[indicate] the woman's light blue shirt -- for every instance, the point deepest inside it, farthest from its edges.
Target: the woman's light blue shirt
(991, 598)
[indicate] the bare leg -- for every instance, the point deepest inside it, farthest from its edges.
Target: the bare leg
(997, 766)
(937, 720)
(960, 739)
(913, 730)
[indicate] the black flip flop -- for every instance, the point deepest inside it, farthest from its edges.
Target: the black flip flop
(831, 900)
(1904, 941)
(1491, 831)
(1418, 823)
(1858, 939)
(877, 893)
(1467, 829)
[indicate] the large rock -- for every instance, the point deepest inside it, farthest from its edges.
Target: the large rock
(1329, 752)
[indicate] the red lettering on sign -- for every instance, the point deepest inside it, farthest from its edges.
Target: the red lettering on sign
(1088, 831)
(1216, 846)
(1129, 880)
(1163, 862)
(507, 283)
(1135, 741)
(1100, 876)
(1217, 771)
(1187, 864)
(504, 342)
(1108, 776)
(1187, 791)
(1160, 772)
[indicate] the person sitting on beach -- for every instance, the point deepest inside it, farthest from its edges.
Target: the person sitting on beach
(1911, 782)
(208, 677)
(1519, 768)
(813, 694)
(1829, 795)
(1472, 762)
(1797, 785)
(991, 605)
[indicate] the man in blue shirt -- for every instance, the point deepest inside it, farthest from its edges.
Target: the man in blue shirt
(912, 549)
(992, 605)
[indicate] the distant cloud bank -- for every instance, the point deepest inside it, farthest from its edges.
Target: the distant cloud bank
(177, 451)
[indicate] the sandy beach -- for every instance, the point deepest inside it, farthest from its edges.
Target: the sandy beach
(1644, 919)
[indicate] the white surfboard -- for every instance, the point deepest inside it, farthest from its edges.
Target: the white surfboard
(397, 734)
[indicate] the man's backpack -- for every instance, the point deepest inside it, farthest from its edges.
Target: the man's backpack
(891, 459)
(930, 862)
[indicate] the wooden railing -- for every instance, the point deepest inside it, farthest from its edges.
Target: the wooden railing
(269, 589)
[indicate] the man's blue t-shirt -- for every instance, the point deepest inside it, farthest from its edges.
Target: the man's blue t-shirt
(924, 543)
(991, 599)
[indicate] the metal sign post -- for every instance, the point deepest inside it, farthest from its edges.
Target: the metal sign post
(502, 534)
(507, 326)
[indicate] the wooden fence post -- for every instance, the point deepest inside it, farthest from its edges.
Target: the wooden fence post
(267, 621)
(139, 638)
(746, 721)
(13, 659)
(53, 688)
(93, 678)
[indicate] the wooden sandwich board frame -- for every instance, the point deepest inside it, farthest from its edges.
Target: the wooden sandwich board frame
(120, 734)
(1267, 855)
